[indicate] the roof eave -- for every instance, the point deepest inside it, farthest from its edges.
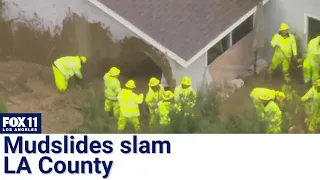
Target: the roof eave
(223, 34)
(139, 32)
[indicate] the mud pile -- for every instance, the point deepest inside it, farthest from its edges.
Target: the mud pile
(27, 50)
(29, 41)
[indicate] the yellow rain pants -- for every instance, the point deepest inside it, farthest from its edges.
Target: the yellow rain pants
(122, 123)
(110, 105)
(60, 80)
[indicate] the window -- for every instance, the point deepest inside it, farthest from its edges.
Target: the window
(313, 28)
(242, 30)
(218, 49)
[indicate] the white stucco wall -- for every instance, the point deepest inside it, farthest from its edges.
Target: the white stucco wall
(291, 12)
(197, 71)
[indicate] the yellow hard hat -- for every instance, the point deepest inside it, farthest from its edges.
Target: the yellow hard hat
(284, 27)
(83, 59)
(168, 95)
(130, 84)
(280, 95)
(186, 81)
(114, 71)
(153, 82)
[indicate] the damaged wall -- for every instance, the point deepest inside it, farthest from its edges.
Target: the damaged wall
(197, 71)
(53, 28)
(234, 62)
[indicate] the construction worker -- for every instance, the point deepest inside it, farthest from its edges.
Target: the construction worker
(185, 95)
(112, 87)
(259, 95)
(311, 101)
(66, 67)
(167, 106)
(311, 64)
(272, 114)
(129, 106)
(153, 97)
(284, 44)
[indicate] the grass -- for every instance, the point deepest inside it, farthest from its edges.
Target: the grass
(206, 119)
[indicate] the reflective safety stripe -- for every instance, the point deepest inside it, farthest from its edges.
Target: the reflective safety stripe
(286, 49)
(70, 66)
(110, 90)
(130, 105)
(155, 98)
(62, 70)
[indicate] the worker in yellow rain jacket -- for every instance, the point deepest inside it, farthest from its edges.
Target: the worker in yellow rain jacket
(258, 95)
(129, 106)
(311, 64)
(153, 97)
(312, 107)
(284, 44)
(273, 115)
(112, 88)
(66, 67)
(185, 95)
(166, 107)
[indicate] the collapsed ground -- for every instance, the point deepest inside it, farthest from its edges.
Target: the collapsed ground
(29, 87)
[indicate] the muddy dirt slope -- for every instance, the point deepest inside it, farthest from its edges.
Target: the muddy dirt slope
(30, 87)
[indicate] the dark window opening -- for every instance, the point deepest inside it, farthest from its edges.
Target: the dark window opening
(216, 50)
(242, 30)
(313, 28)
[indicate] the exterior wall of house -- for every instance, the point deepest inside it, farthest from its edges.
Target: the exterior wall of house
(197, 71)
(291, 12)
(233, 62)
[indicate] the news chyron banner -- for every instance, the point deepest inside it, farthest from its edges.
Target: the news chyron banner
(26, 154)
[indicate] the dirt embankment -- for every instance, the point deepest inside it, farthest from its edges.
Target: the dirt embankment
(27, 51)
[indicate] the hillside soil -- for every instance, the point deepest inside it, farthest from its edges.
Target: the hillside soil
(29, 87)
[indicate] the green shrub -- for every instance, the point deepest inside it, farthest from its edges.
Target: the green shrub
(206, 119)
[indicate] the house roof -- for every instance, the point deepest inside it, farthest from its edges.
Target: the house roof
(182, 26)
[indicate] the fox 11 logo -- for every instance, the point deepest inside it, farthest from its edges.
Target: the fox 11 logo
(20, 123)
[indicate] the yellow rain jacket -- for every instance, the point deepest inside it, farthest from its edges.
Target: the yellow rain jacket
(273, 116)
(283, 54)
(312, 109)
(165, 108)
(129, 109)
(259, 94)
(186, 96)
(311, 64)
(152, 99)
(186, 99)
(64, 68)
(112, 88)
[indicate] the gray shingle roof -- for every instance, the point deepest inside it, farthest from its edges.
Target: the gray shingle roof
(183, 26)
